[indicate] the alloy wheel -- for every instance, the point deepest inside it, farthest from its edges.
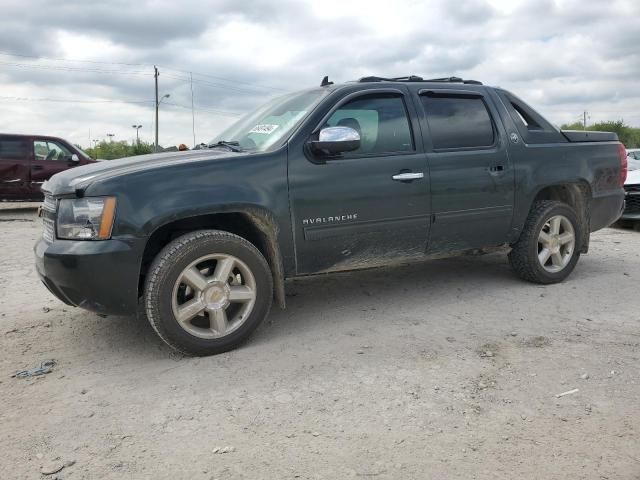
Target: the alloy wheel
(556, 243)
(213, 296)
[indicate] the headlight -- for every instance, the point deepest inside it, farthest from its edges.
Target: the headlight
(89, 218)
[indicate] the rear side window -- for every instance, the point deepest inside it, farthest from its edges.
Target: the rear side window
(381, 120)
(13, 149)
(458, 121)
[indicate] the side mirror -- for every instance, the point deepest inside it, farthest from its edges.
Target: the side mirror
(334, 140)
(74, 158)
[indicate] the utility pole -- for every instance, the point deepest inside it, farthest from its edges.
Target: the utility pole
(193, 115)
(155, 75)
(584, 120)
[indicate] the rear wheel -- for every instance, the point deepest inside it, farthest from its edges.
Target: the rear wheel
(548, 248)
(207, 291)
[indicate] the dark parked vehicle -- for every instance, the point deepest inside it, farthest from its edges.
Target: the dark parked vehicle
(362, 174)
(27, 161)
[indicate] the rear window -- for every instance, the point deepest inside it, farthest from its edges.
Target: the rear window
(13, 149)
(458, 121)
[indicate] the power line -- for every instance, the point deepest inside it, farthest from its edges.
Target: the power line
(73, 69)
(4, 53)
(205, 109)
(72, 100)
(7, 54)
(214, 85)
(225, 79)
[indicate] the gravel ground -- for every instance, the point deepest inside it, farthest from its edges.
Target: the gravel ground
(448, 369)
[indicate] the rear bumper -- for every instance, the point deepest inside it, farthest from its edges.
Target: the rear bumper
(606, 209)
(100, 276)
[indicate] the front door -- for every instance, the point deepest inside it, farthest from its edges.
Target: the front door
(471, 174)
(14, 167)
(368, 207)
(50, 157)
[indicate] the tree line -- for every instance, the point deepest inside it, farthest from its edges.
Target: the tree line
(112, 150)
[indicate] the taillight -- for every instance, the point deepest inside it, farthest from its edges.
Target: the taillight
(623, 163)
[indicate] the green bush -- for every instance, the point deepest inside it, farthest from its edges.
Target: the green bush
(629, 136)
(112, 150)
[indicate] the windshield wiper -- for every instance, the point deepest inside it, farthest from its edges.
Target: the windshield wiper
(233, 146)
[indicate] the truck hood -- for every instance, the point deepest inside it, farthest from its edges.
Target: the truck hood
(79, 178)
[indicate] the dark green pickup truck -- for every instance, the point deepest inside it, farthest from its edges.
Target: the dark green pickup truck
(362, 174)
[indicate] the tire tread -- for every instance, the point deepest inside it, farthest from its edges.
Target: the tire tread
(158, 269)
(519, 259)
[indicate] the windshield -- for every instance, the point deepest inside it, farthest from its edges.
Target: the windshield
(86, 155)
(263, 128)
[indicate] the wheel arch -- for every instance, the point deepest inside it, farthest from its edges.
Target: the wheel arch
(254, 224)
(575, 194)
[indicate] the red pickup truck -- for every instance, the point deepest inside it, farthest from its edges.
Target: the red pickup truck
(27, 161)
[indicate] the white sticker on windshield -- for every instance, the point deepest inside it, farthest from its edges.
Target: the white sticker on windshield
(264, 128)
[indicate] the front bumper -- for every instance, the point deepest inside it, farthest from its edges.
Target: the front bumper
(100, 276)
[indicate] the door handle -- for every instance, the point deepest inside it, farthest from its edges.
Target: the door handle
(37, 167)
(408, 176)
(496, 169)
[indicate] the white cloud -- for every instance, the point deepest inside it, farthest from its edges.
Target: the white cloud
(562, 56)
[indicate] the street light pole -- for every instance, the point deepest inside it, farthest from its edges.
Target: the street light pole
(137, 127)
(193, 115)
(155, 75)
(111, 135)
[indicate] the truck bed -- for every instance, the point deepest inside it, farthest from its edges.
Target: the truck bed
(576, 136)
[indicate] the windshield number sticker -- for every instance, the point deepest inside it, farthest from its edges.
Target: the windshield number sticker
(265, 128)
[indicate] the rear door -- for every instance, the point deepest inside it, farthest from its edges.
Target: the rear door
(471, 173)
(14, 167)
(367, 207)
(50, 157)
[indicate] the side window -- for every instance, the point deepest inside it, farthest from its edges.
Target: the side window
(47, 150)
(457, 121)
(13, 149)
(381, 121)
(40, 150)
(525, 118)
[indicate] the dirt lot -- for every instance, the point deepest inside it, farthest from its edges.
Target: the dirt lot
(448, 369)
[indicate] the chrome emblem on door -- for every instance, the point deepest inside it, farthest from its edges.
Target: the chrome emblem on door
(514, 137)
(336, 218)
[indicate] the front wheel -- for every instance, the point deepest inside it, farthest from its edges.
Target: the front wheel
(548, 248)
(207, 291)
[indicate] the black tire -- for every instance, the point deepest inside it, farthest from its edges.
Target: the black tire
(170, 263)
(524, 253)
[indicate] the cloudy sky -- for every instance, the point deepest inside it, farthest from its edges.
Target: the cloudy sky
(81, 68)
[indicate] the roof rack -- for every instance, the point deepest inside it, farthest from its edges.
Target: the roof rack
(415, 78)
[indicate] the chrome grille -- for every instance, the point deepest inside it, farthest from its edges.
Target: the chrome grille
(49, 229)
(632, 203)
(49, 204)
(49, 208)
